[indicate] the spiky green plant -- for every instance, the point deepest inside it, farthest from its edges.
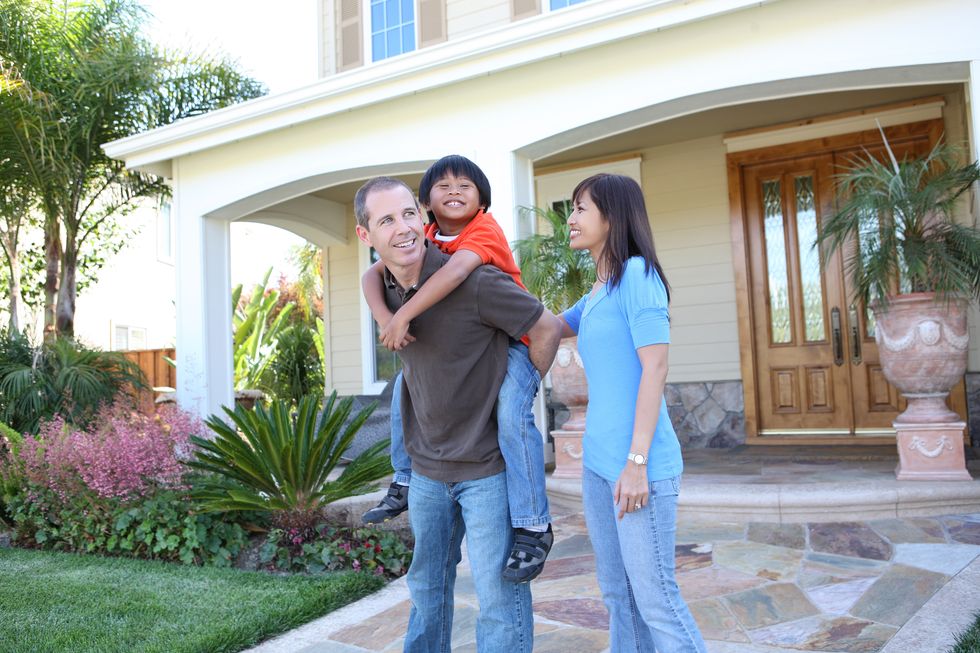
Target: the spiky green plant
(255, 332)
(62, 377)
(279, 461)
(554, 272)
(902, 215)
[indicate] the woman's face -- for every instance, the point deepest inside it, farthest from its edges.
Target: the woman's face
(588, 229)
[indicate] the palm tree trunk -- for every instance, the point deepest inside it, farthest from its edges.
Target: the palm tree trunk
(9, 245)
(66, 290)
(52, 255)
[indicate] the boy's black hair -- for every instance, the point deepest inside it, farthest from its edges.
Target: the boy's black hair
(458, 166)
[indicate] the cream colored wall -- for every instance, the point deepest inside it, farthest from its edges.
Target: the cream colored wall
(686, 189)
(344, 321)
(955, 116)
(465, 17)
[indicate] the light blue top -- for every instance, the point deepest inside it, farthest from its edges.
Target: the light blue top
(611, 325)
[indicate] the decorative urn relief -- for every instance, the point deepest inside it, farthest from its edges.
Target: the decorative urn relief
(923, 345)
(569, 387)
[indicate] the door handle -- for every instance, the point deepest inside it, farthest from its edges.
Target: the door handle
(838, 344)
(852, 319)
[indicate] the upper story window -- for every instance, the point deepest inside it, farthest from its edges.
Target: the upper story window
(392, 28)
(561, 4)
(373, 30)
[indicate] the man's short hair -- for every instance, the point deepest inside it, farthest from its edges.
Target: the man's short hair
(370, 186)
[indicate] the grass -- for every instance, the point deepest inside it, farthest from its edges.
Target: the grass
(66, 602)
(969, 640)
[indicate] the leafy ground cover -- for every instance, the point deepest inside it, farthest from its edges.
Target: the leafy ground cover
(65, 602)
(969, 640)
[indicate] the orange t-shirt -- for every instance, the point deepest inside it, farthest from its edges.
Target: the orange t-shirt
(484, 237)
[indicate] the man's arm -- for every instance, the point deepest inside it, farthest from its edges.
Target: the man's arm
(373, 287)
(544, 336)
(445, 280)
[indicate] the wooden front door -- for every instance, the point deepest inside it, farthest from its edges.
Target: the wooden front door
(815, 361)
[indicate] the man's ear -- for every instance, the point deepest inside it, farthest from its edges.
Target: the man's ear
(363, 234)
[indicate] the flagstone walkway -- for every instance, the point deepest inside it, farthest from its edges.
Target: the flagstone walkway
(829, 587)
(846, 586)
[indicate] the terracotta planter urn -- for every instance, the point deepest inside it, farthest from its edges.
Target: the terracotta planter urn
(923, 345)
(568, 386)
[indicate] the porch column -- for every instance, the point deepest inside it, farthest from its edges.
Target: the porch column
(204, 356)
(973, 120)
(512, 182)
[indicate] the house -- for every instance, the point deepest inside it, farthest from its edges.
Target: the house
(733, 115)
(145, 320)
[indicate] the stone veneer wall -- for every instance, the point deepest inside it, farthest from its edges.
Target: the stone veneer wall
(707, 414)
(703, 414)
(973, 406)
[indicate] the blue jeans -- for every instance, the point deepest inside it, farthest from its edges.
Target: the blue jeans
(634, 559)
(519, 439)
(441, 513)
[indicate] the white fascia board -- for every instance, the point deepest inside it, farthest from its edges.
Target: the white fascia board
(547, 35)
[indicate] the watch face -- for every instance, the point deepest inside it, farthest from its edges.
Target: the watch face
(638, 458)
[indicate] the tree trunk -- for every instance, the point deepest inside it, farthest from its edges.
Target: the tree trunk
(66, 290)
(13, 267)
(52, 255)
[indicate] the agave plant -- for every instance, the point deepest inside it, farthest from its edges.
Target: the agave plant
(279, 461)
(554, 272)
(901, 214)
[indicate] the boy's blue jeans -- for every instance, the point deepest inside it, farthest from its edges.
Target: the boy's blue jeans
(519, 439)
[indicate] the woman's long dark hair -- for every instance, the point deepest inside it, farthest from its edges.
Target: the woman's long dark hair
(620, 201)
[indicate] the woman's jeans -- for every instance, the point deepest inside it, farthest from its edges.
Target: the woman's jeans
(634, 559)
(440, 514)
(519, 439)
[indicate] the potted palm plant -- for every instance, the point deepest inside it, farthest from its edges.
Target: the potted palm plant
(560, 276)
(917, 268)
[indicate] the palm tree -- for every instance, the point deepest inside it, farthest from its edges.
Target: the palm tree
(101, 81)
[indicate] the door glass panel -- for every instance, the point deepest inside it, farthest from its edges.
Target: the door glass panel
(811, 280)
(779, 313)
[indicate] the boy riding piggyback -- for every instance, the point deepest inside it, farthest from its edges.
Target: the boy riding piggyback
(456, 195)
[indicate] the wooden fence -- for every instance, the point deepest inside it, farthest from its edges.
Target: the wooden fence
(158, 372)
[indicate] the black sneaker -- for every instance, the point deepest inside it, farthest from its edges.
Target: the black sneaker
(394, 504)
(527, 558)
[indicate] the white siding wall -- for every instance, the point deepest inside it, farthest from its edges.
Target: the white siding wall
(344, 323)
(686, 189)
(465, 17)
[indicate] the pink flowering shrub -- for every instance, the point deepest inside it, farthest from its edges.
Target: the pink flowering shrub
(120, 456)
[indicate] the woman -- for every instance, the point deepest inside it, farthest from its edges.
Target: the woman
(632, 457)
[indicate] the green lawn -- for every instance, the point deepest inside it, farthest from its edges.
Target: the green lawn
(65, 602)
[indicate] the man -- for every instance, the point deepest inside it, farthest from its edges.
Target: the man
(452, 374)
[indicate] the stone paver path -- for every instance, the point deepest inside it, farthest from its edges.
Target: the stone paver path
(844, 587)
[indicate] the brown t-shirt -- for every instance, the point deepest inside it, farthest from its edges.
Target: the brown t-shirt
(454, 369)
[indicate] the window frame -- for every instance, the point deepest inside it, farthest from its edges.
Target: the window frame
(130, 330)
(369, 363)
(367, 52)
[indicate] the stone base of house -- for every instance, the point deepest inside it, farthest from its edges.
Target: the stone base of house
(973, 407)
(710, 414)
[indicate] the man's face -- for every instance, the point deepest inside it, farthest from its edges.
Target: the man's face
(394, 227)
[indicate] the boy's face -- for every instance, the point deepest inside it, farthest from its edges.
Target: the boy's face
(394, 227)
(454, 201)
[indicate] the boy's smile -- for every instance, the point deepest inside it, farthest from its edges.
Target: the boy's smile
(454, 201)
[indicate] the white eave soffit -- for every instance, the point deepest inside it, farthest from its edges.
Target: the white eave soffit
(551, 34)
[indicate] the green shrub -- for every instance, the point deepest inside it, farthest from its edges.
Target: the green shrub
(277, 460)
(161, 526)
(296, 369)
(62, 378)
(331, 548)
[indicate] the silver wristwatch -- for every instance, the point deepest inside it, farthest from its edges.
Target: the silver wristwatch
(637, 458)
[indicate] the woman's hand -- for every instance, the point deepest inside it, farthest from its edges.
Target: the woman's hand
(632, 490)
